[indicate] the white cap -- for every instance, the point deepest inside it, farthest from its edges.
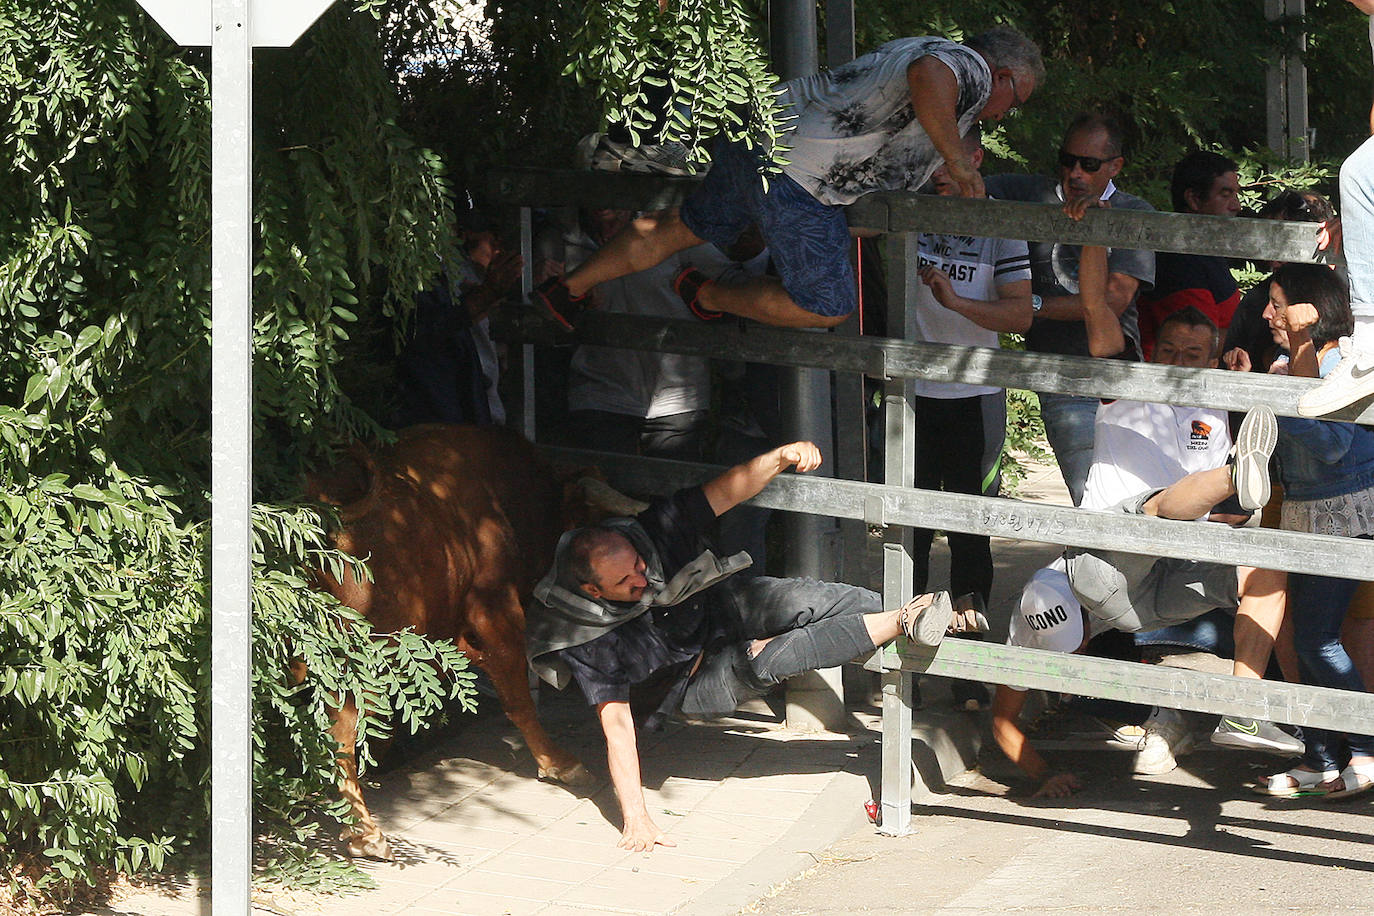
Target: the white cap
(1049, 616)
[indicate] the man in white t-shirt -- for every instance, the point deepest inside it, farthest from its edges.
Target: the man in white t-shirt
(1085, 593)
(883, 121)
(972, 289)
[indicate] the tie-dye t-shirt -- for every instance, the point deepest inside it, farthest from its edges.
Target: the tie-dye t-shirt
(854, 129)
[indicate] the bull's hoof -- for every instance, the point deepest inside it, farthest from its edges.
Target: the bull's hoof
(362, 844)
(575, 775)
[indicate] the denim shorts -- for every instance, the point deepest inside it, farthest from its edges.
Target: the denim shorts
(808, 240)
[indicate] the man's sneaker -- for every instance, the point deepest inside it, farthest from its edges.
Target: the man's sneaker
(1351, 380)
(607, 155)
(1255, 735)
(688, 284)
(558, 305)
(1255, 441)
(1123, 735)
(1167, 737)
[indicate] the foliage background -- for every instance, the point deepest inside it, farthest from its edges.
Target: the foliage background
(104, 301)
(104, 421)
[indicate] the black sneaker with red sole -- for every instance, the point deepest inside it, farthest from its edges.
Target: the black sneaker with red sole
(558, 305)
(688, 284)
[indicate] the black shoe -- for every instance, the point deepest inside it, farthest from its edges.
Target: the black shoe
(1255, 735)
(688, 284)
(558, 305)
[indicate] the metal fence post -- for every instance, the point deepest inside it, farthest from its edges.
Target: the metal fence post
(231, 459)
(899, 470)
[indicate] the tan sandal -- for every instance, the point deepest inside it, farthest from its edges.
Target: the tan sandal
(968, 616)
(926, 618)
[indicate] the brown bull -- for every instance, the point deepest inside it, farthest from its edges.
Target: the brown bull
(456, 525)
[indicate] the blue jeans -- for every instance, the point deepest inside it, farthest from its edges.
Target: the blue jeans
(1213, 632)
(1319, 604)
(813, 625)
(1069, 424)
(1357, 225)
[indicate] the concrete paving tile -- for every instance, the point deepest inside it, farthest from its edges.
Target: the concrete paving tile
(462, 902)
(555, 868)
(636, 892)
(592, 854)
(445, 835)
(431, 873)
(411, 851)
(490, 813)
(806, 783)
(530, 887)
(713, 826)
(589, 909)
(704, 844)
(669, 863)
(587, 827)
(745, 801)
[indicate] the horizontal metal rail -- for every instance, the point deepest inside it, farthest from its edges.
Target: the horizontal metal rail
(1159, 685)
(904, 211)
(1351, 558)
(883, 357)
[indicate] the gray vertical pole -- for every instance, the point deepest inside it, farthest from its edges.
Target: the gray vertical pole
(231, 459)
(814, 700)
(851, 433)
(1286, 82)
(899, 464)
(839, 32)
(527, 417)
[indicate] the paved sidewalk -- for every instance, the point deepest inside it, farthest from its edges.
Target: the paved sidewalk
(749, 803)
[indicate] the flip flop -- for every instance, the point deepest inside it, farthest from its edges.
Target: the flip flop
(1356, 778)
(1305, 782)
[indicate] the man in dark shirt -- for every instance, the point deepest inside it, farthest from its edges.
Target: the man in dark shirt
(1089, 159)
(1206, 184)
(647, 622)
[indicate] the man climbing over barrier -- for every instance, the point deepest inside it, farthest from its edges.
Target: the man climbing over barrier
(883, 121)
(649, 623)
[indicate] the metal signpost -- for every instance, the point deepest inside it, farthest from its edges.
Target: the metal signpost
(232, 28)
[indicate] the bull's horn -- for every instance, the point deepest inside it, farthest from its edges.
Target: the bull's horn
(606, 497)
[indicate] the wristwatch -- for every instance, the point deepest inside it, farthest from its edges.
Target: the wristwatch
(1037, 303)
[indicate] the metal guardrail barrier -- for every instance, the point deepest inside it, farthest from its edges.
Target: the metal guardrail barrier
(895, 509)
(899, 211)
(881, 505)
(888, 358)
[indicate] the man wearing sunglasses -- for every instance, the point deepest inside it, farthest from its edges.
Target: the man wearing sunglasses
(1090, 158)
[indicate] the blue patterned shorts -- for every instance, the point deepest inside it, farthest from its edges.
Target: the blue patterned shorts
(808, 240)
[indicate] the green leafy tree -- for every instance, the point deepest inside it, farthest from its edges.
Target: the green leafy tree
(104, 420)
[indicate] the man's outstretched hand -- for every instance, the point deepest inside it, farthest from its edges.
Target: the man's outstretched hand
(805, 456)
(642, 835)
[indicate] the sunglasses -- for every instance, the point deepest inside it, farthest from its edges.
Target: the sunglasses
(1086, 163)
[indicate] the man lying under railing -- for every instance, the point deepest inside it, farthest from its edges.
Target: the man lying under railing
(1088, 592)
(648, 622)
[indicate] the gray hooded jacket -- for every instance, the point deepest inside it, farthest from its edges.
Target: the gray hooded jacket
(563, 616)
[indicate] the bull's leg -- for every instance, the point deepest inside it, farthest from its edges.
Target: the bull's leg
(498, 635)
(363, 838)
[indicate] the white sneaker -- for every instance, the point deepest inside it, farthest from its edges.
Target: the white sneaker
(1255, 442)
(1167, 736)
(1351, 380)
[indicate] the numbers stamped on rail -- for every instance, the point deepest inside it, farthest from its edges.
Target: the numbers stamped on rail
(1022, 523)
